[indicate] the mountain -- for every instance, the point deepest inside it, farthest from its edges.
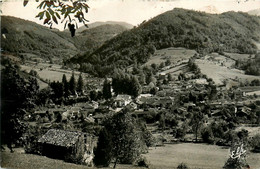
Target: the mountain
(23, 36)
(255, 12)
(227, 32)
(209, 9)
(96, 24)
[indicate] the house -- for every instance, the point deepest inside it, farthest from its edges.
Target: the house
(162, 75)
(122, 100)
(67, 145)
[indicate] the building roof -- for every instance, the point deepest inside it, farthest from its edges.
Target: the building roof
(60, 137)
(123, 97)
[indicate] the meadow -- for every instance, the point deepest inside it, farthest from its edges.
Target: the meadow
(199, 156)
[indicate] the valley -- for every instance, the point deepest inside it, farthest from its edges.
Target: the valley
(180, 90)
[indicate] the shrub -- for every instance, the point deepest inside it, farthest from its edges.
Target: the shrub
(182, 166)
(255, 143)
(142, 162)
(207, 135)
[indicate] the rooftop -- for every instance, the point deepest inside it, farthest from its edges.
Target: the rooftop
(60, 137)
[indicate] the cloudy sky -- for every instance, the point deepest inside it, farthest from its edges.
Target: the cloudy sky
(131, 11)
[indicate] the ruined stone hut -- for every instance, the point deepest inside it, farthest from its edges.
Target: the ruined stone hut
(66, 145)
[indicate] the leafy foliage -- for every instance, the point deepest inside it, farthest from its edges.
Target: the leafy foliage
(18, 93)
(107, 89)
(124, 83)
(103, 152)
(125, 137)
(54, 10)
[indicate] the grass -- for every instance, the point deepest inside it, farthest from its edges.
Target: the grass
(194, 155)
(213, 69)
(173, 54)
(20, 160)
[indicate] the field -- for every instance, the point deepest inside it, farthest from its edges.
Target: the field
(52, 72)
(20, 160)
(173, 54)
(194, 155)
(220, 68)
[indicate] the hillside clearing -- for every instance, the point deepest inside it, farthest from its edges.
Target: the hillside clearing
(219, 70)
(194, 155)
(173, 54)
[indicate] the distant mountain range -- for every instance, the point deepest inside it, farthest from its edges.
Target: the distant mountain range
(23, 36)
(211, 9)
(255, 12)
(99, 23)
(226, 32)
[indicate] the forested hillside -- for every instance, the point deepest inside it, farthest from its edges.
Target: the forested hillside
(227, 32)
(22, 36)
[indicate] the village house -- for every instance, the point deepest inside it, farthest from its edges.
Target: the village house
(122, 100)
(67, 145)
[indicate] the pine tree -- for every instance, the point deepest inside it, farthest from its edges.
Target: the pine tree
(136, 87)
(103, 152)
(80, 84)
(65, 86)
(72, 84)
(107, 89)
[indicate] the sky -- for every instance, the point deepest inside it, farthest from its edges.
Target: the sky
(130, 11)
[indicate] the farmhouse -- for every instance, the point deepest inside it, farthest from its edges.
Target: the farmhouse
(67, 145)
(122, 100)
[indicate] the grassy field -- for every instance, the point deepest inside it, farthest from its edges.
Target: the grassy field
(20, 160)
(199, 156)
(220, 69)
(173, 54)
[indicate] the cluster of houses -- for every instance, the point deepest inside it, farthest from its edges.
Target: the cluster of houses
(64, 144)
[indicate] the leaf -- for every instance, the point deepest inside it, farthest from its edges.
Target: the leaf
(75, 3)
(41, 4)
(51, 11)
(66, 14)
(86, 9)
(25, 2)
(58, 16)
(54, 19)
(48, 15)
(46, 21)
(65, 24)
(40, 15)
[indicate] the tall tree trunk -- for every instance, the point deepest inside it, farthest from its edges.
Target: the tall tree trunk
(196, 134)
(115, 163)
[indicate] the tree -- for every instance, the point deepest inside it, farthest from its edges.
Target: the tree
(57, 88)
(136, 87)
(103, 152)
(65, 86)
(126, 140)
(18, 94)
(197, 122)
(107, 89)
(72, 84)
(169, 77)
(80, 84)
(55, 10)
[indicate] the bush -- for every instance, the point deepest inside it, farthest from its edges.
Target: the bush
(255, 143)
(30, 139)
(182, 166)
(142, 162)
(207, 135)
